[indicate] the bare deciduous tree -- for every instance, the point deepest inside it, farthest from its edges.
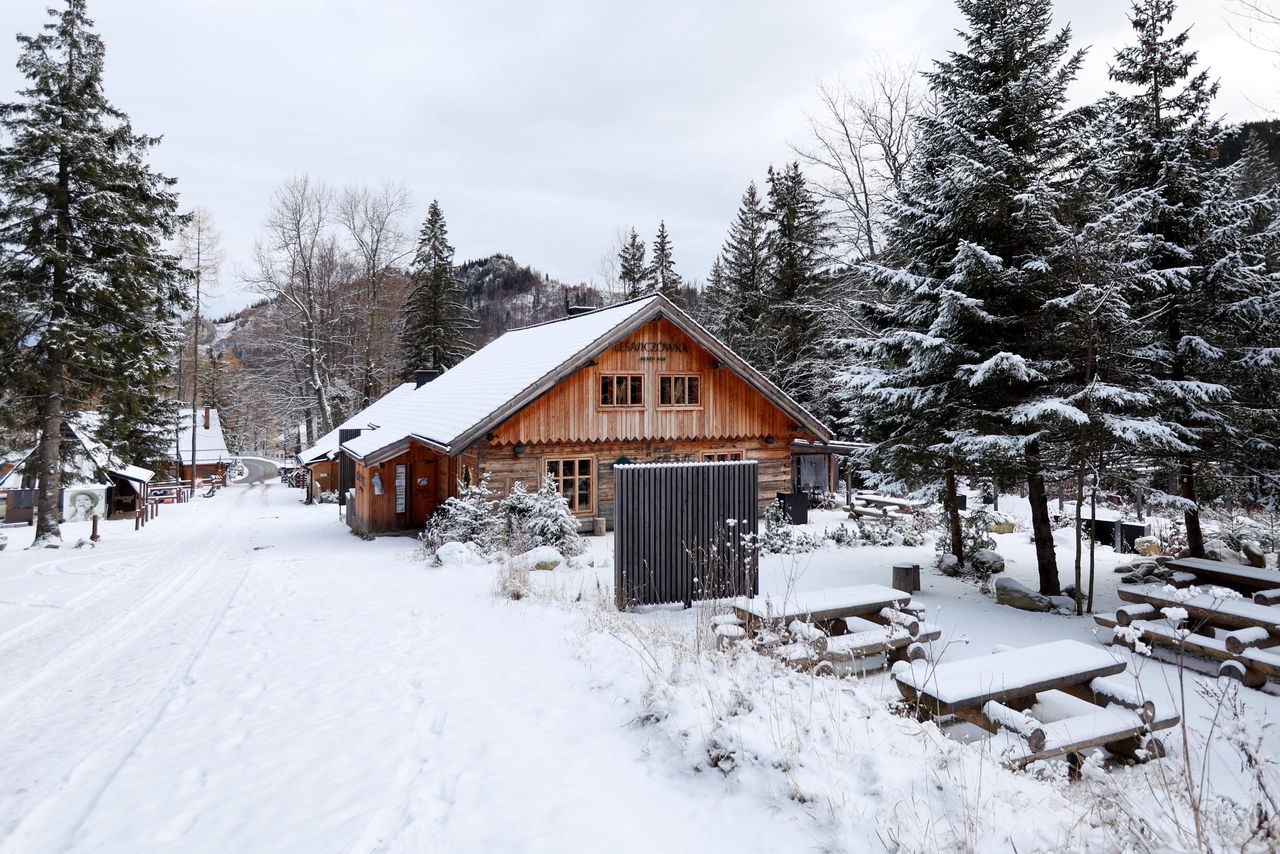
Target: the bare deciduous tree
(861, 147)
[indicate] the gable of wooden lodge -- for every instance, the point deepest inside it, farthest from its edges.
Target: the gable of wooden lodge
(658, 395)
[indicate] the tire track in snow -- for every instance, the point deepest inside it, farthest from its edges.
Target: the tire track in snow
(116, 677)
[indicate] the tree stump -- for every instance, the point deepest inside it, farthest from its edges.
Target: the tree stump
(906, 577)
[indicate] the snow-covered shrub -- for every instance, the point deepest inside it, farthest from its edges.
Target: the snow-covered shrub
(780, 537)
(512, 580)
(842, 536)
(1173, 539)
(542, 518)
(468, 517)
(328, 496)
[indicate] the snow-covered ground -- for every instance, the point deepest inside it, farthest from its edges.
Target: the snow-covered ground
(244, 675)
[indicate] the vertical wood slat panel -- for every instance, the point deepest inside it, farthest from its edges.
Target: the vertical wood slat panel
(673, 541)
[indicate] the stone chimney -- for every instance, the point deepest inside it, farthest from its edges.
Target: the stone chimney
(206, 417)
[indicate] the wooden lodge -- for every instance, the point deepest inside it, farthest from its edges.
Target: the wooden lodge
(572, 398)
(212, 458)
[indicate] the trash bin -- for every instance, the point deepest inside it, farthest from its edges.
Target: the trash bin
(796, 505)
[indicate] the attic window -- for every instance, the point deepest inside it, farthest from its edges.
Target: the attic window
(680, 391)
(622, 390)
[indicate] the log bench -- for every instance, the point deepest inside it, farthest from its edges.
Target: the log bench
(843, 627)
(1243, 579)
(1055, 699)
(1238, 635)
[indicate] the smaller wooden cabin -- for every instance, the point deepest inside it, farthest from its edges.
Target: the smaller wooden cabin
(570, 399)
(212, 458)
(321, 459)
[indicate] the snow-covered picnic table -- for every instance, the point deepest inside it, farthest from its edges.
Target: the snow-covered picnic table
(1056, 698)
(1237, 633)
(1245, 579)
(817, 606)
(863, 627)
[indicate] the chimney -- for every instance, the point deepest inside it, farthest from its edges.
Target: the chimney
(206, 417)
(575, 310)
(423, 376)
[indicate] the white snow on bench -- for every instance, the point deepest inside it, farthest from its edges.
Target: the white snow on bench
(829, 602)
(1012, 673)
(1242, 609)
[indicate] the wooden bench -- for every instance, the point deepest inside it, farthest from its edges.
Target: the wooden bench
(1055, 698)
(843, 626)
(1242, 579)
(1235, 633)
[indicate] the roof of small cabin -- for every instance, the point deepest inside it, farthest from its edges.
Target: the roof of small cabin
(211, 445)
(97, 457)
(368, 418)
(488, 387)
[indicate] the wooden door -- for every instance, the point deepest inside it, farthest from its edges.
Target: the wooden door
(422, 491)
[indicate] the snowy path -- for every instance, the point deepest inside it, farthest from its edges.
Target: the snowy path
(244, 675)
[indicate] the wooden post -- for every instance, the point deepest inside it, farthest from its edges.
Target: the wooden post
(137, 518)
(598, 526)
(94, 536)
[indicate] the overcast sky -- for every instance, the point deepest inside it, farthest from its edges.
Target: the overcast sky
(540, 125)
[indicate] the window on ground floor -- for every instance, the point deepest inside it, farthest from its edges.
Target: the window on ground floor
(721, 456)
(575, 479)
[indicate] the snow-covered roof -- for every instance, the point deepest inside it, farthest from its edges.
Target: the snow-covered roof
(211, 446)
(94, 458)
(366, 419)
(454, 410)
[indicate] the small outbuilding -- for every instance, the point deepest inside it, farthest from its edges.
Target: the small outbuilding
(638, 382)
(211, 455)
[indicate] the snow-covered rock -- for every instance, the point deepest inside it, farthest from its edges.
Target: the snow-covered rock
(542, 557)
(458, 554)
(948, 565)
(1254, 554)
(1147, 546)
(1017, 595)
(4, 541)
(1218, 550)
(988, 562)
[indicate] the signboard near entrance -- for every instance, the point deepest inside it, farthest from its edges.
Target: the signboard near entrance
(401, 483)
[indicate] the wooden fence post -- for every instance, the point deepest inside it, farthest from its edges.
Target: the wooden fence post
(94, 536)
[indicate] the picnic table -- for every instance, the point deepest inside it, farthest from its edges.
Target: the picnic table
(1056, 698)
(833, 626)
(1237, 633)
(1244, 579)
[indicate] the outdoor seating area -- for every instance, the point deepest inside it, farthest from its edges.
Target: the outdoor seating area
(870, 505)
(1235, 633)
(859, 629)
(1049, 700)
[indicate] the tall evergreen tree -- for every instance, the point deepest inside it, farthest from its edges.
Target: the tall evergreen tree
(1203, 257)
(964, 361)
(632, 270)
(83, 226)
(798, 243)
(712, 305)
(746, 278)
(662, 275)
(437, 328)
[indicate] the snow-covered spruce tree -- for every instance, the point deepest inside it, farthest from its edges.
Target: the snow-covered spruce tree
(746, 280)
(469, 517)
(662, 275)
(541, 518)
(84, 222)
(961, 332)
(710, 307)
(798, 245)
(437, 325)
(1204, 259)
(632, 270)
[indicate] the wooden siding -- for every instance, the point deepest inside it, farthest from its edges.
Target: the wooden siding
(505, 467)
(324, 477)
(571, 411)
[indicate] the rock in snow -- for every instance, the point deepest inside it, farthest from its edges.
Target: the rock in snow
(948, 565)
(1016, 595)
(543, 557)
(1218, 550)
(1147, 546)
(458, 554)
(988, 562)
(1251, 550)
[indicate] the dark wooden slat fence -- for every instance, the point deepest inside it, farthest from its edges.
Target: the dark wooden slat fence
(685, 531)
